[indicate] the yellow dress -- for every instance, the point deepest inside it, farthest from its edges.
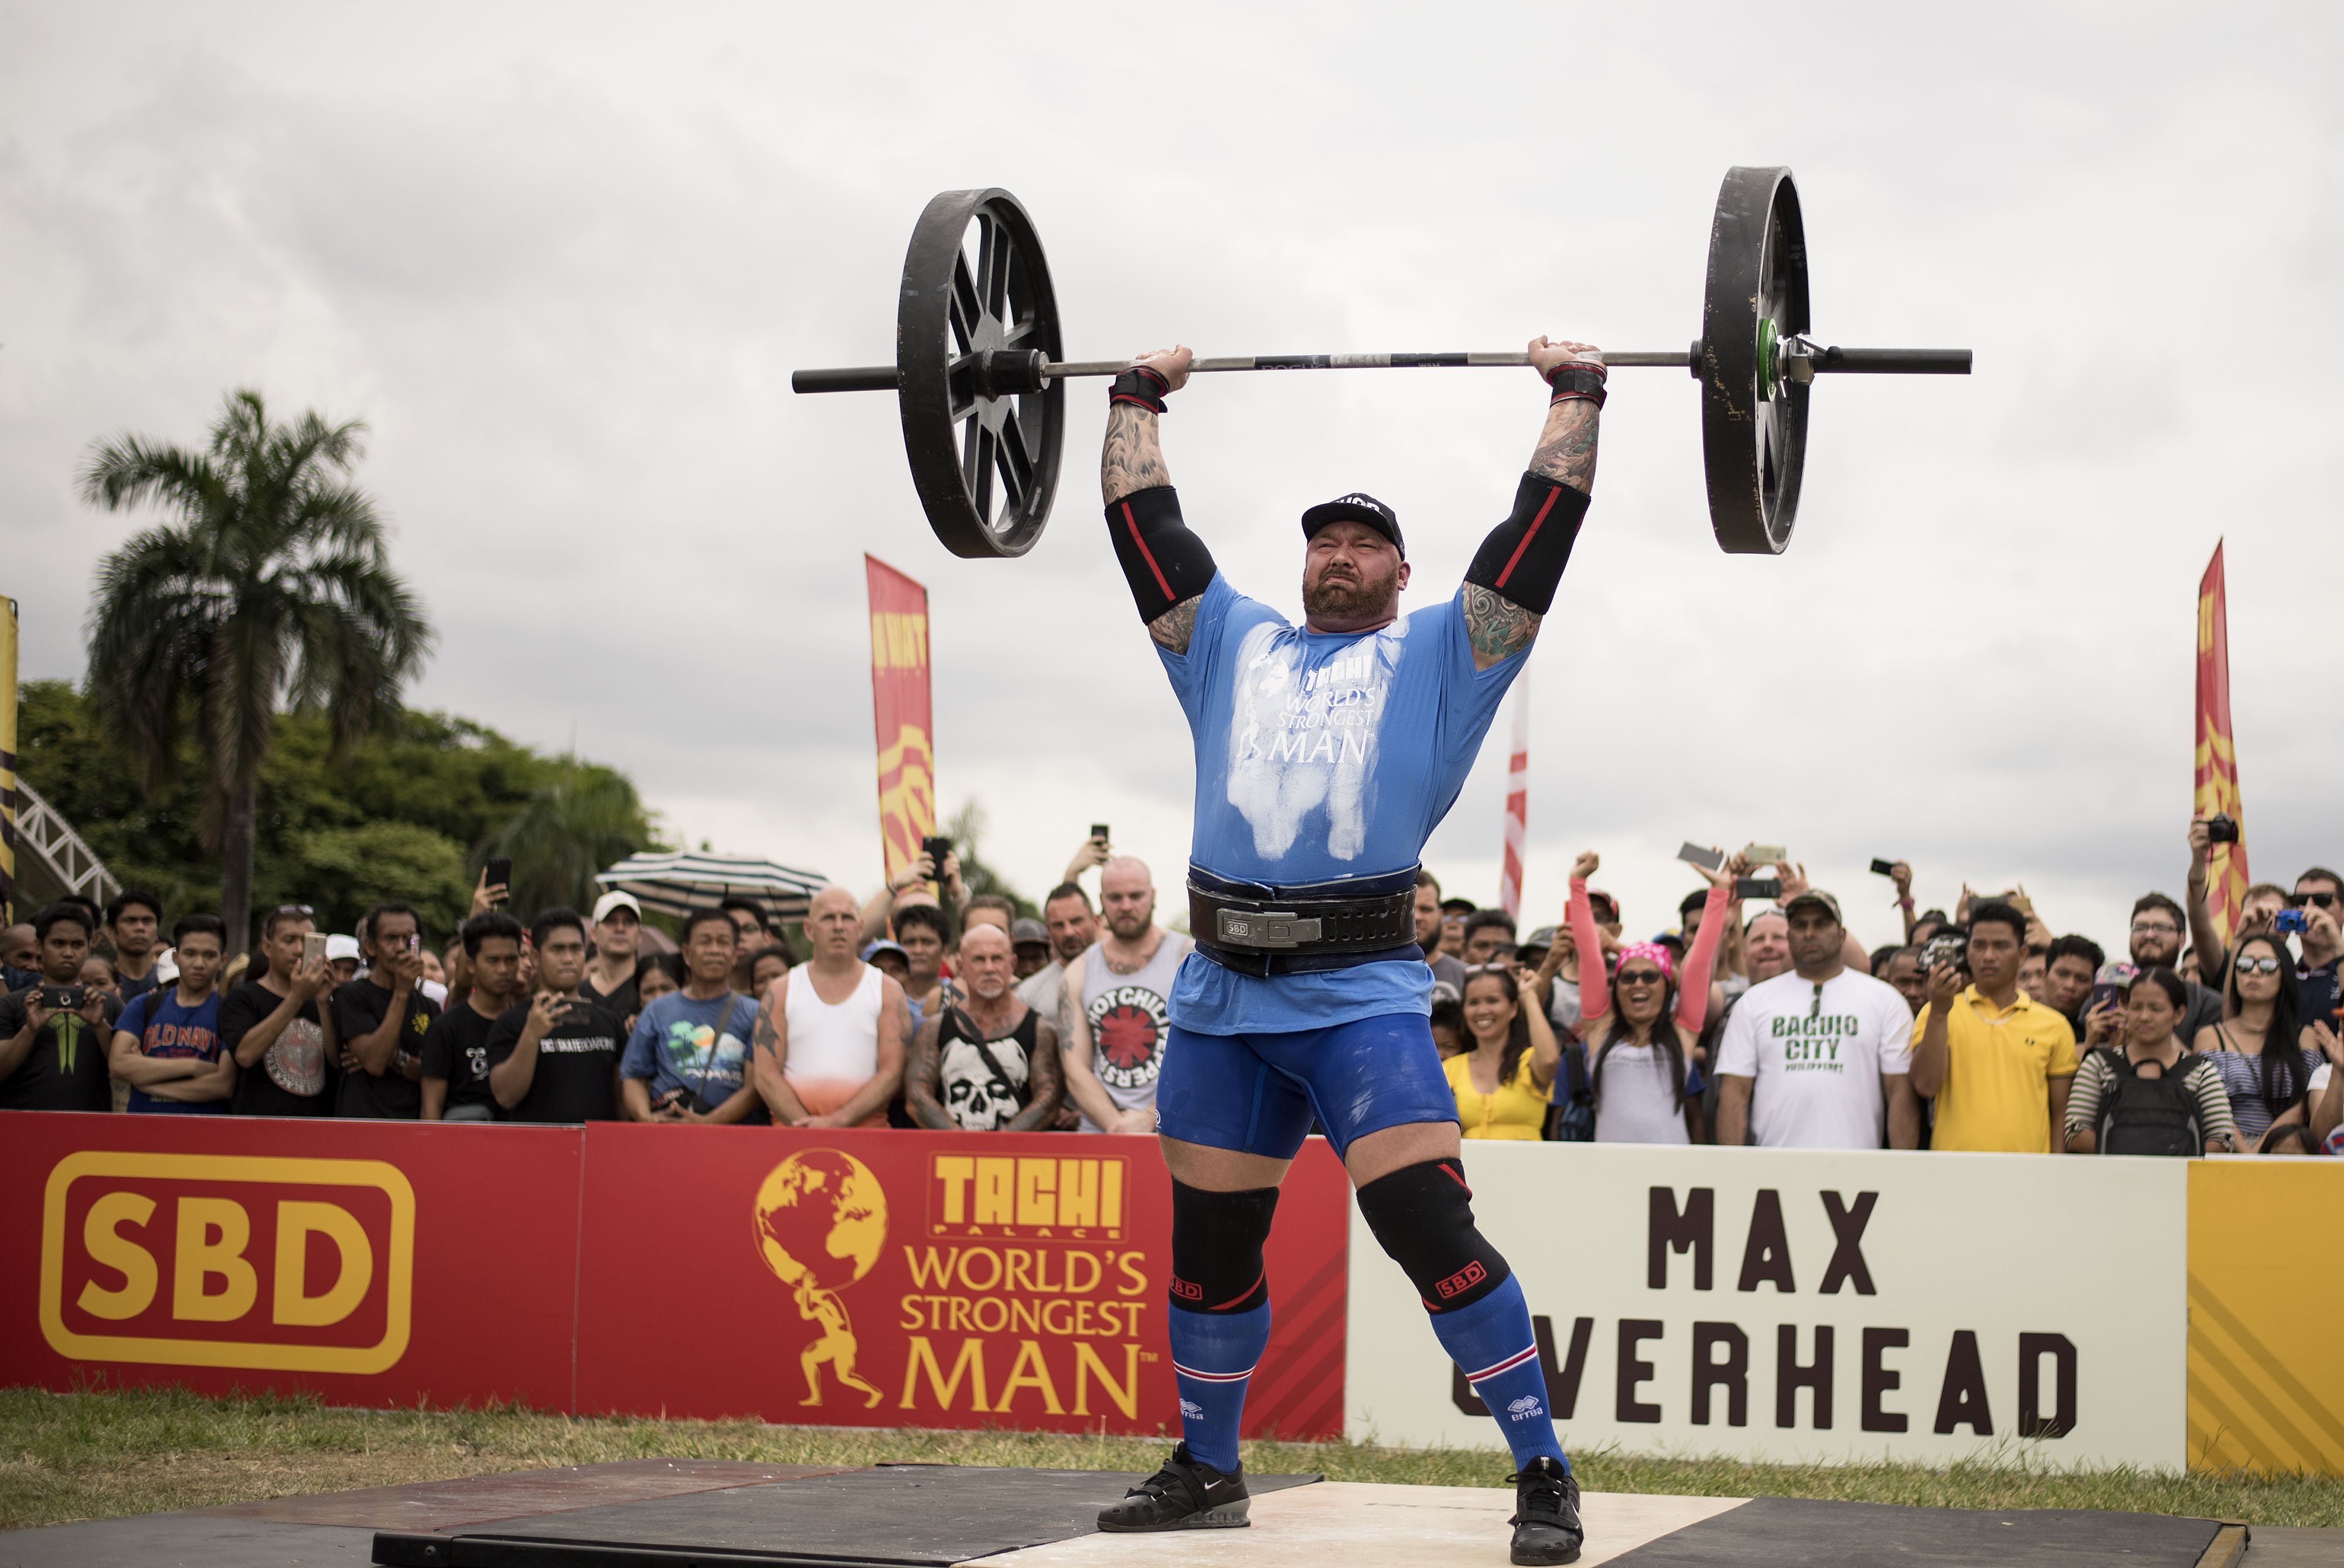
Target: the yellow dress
(1518, 1110)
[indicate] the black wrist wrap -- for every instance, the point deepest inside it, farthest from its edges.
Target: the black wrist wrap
(1163, 561)
(1523, 558)
(1580, 381)
(1139, 385)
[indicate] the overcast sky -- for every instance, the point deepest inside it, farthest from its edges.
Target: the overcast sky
(561, 259)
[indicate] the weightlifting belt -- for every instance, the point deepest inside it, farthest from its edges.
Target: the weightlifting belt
(1256, 928)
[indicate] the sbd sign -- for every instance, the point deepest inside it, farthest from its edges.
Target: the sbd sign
(214, 1261)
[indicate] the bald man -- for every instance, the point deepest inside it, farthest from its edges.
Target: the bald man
(1114, 1008)
(830, 1033)
(989, 1063)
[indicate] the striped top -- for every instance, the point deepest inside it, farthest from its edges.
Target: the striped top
(2198, 1075)
(2242, 1078)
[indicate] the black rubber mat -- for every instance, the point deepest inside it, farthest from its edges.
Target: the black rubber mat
(1779, 1532)
(892, 1516)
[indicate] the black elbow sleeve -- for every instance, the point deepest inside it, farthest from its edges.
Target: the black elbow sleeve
(1523, 558)
(1163, 561)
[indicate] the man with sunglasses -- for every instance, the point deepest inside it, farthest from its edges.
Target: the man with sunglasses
(2320, 893)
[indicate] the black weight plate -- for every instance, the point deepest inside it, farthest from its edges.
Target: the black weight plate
(1753, 437)
(975, 280)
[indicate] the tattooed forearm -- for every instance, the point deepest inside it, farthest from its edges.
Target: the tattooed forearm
(1566, 449)
(1173, 628)
(1131, 459)
(1499, 627)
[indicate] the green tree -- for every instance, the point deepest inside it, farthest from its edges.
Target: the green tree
(966, 828)
(575, 823)
(271, 589)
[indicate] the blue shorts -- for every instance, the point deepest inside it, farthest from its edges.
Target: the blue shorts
(1259, 1093)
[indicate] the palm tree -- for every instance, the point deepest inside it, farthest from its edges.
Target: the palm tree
(583, 819)
(271, 589)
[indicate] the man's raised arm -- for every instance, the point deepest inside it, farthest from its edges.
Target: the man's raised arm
(1167, 566)
(1511, 582)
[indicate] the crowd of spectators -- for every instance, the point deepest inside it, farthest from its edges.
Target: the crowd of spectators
(1752, 1017)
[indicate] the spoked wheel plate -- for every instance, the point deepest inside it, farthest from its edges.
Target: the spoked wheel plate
(977, 318)
(1753, 418)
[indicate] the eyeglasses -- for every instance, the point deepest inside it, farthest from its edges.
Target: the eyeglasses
(2266, 965)
(2160, 927)
(2298, 900)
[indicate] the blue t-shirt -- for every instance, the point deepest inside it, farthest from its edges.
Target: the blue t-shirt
(166, 1027)
(1321, 756)
(681, 1042)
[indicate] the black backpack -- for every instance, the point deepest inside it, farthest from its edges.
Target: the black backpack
(2147, 1115)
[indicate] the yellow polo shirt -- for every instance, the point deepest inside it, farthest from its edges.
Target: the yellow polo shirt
(1996, 1095)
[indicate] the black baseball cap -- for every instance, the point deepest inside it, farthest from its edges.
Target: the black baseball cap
(1357, 507)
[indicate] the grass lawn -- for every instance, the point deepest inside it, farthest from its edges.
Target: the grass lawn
(100, 1454)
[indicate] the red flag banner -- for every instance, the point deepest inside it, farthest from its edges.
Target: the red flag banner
(2218, 759)
(900, 711)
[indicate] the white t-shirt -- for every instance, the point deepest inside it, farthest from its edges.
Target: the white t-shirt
(1818, 1054)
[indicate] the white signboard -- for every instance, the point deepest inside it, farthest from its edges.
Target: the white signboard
(1786, 1305)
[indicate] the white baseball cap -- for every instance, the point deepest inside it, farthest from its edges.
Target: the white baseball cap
(340, 946)
(614, 900)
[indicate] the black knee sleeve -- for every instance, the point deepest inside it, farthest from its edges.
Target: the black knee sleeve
(1163, 561)
(1423, 1216)
(1216, 1241)
(1523, 558)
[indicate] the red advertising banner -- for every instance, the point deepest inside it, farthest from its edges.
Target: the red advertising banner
(923, 1280)
(2217, 790)
(900, 711)
(374, 1263)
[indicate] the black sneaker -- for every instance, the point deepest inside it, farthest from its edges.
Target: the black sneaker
(1186, 1495)
(1546, 1513)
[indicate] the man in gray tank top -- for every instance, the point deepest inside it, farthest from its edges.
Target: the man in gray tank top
(1115, 1016)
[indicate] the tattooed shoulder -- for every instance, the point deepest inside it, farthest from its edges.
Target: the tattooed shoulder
(1173, 628)
(1499, 627)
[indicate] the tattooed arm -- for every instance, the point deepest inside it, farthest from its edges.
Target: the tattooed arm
(923, 1079)
(1513, 581)
(1131, 462)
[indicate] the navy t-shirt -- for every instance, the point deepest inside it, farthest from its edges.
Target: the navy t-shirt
(168, 1028)
(1322, 756)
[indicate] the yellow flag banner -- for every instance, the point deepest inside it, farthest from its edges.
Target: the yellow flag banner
(2218, 758)
(8, 761)
(900, 711)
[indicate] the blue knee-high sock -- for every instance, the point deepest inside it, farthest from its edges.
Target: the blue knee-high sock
(1492, 1341)
(1212, 1354)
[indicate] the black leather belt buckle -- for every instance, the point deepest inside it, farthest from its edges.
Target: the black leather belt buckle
(1262, 929)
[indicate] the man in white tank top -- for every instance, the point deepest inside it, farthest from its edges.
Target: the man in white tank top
(1115, 1006)
(830, 1033)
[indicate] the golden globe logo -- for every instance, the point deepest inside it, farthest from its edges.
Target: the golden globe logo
(821, 1218)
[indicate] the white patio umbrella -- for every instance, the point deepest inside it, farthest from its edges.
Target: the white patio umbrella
(677, 882)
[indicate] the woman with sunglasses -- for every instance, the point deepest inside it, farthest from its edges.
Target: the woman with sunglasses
(1647, 1087)
(2120, 1104)
(1504, 1079)
(2261, 1047)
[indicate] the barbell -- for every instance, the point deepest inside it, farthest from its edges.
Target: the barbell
(981, 384)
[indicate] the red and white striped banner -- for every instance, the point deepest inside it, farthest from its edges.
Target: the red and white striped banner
(1518, 800)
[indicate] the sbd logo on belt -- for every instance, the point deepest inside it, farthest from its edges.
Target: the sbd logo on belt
(210, 1261)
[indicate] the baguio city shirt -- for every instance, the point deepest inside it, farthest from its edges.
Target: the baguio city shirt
(1321, 756)
(1996, 1095)
(168, 1029)
(1818, 1053)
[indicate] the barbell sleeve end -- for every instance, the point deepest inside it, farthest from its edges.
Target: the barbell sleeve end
(1892, 361)
(845, 378)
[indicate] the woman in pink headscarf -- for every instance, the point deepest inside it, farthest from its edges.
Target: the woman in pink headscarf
(1647, 1085)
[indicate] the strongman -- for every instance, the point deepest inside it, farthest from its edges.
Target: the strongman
(1326, 754)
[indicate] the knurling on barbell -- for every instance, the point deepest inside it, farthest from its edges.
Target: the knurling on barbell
(980, 379)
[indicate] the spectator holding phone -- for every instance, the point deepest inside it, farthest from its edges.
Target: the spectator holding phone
(1640, 1044)
(456, 1050)
(688, 1058)
(379, 1019)
(2265, 1055)
(167, 1042)
(54, 1034)
(557, 1058)
(275, 1028)
(134, 920)
(830, 1033)
(1997, 1063)
(1504, 1079)
(924, 935)
(1820, 1056)
(618, 936)
(923, 880)
(2137, 1091)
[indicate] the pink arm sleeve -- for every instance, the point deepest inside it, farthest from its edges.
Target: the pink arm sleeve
(1594, 994)
(1692, 989)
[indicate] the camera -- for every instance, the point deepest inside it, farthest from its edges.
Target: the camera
(1946, 948)
(2291, 922)
(2221, 828)
(63, 999)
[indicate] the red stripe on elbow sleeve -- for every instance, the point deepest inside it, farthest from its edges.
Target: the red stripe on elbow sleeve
(1149, 556)
(1528, 534)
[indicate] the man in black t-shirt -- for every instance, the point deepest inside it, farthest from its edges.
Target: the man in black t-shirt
(54, 1060)
(557, 1059)
(381, 1018)
(618, 938)
(456, 1051)
(275, 1029)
